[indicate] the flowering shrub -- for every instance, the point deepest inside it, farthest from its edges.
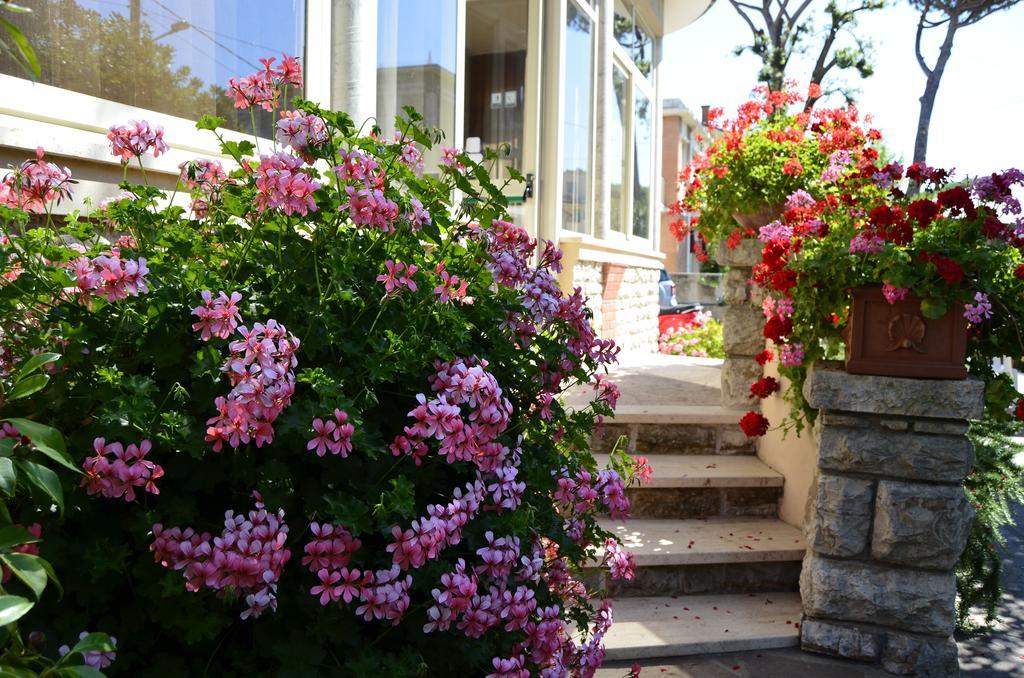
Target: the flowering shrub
(361, 376)
(958, 247)
(756, 160)
(701, 338)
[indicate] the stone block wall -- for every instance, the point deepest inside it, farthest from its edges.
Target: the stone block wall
(742, 325)
(887, 518)
(624, 300)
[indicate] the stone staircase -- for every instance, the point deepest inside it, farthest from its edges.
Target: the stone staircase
(717, 571)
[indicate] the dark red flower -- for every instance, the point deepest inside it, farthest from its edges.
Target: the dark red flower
(766, 356)
(958, 201)
(1019, 412)
(754, 424)
(1019, 272)
(777, 327)
(950, 271)
(783, 280)
(994, 229)
(764, 387)
(923, 212)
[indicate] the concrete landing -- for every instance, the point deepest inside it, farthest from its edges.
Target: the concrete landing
(707, 470)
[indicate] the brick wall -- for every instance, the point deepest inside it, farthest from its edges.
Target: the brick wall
(624, 300)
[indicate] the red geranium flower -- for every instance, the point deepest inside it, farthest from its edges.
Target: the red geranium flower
(923, 212)
(754, 424)
(766, 356)
(777, 327)
(1019, 272)
(1019, 412)
(958, 201)
(764, 387)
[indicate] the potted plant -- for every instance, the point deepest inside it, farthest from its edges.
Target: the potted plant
(902, 274)
(749, 166)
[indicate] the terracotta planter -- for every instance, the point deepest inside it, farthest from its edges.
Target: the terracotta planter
(896, 340)
(755, 219)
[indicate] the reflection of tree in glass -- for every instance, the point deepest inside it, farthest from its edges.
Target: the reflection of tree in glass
(109, 57)
(636, 41)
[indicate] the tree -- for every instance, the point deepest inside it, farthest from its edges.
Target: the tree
(954, 15)
(782, 28)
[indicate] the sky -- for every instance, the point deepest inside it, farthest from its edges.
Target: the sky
(976, 125)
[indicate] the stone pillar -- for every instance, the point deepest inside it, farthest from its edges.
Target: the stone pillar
(743, 324)
(887, 518)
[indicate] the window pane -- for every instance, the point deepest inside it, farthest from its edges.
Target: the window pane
(642, 165)
(496, 42)
(637, 42)
(577, 92)
(618, 150)
(172, 57)
(416, 60)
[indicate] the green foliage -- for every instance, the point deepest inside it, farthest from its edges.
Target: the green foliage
(134, 368)
(994, 488)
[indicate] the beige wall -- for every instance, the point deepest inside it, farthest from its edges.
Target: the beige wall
(671, 163)
(794, 457)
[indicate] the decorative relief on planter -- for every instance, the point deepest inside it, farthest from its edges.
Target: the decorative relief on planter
(897, 340)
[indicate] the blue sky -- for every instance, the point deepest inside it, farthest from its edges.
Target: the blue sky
(976, 123)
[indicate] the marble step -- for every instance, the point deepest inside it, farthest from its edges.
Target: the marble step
(675, 429)
(706, 470)
(682, 557)
(676, 626)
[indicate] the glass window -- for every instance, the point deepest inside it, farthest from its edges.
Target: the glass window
(618, 151)
(577, 99)
(642, 164)
(496, 43)
(170, 56)
(637, 42)
(416, 61)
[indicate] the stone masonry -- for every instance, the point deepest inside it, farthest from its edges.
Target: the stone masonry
(887, 518)
(624, 300)
(742, 326)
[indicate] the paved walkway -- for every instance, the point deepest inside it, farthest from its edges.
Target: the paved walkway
(1001, 653)
(658, 379)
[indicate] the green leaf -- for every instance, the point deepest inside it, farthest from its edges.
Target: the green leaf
(12, 535)
(210, 122)
(26, 567)
(52, 575)
(35, 362)
(47, 440)
(25, 51)
(13, 608)
(8, 475)
(44, 479)
(28, 385)
(933, 308)
(81, 671)
(94, 642)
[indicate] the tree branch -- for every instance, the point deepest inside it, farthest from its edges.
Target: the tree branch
(917, 42)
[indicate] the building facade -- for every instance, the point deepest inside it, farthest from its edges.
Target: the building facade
(569, 87)
(680, 130)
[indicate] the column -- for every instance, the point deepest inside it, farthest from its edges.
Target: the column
(354, 59)
(743, 324)
(602, 119)
(887, 518)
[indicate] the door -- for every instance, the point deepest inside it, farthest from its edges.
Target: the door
(502, 97)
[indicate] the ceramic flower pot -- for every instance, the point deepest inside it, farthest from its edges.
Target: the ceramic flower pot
(897, 340)
(756, 218)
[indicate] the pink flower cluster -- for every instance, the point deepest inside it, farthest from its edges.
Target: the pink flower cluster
(109, 276)
(218, 317)
(450, 287)
(94, 658)
(620, 563)
(135, 138)
(428, 536)
(299, 130)
(248, 556)
(116, 471)
(607, 391)
(791, 355)
(263, 88)
(328, 555)
(578, 493)
(369, 207)
(35, 184)
(410, 155)
(398, 275)
(282, 185)
(418, 217)
(775, 230)
(866, 243)
(979, 312)
(450, 159)
(893, 294)
(204, 178)
(334, 435)
(360, 167)
(466, 416)
(261, 370)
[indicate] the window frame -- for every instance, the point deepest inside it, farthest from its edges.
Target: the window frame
(636, 80)
(73, 124)
(587, 8)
